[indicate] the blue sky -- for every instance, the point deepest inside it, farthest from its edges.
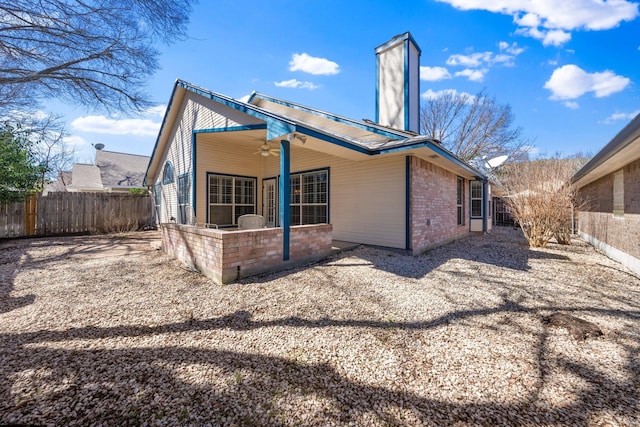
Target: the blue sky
(569, 70)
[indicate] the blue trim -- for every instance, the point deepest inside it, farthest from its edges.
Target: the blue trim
(407, 207)
(378, 130)
(276, 125)
(194, 164)
(435, 147)
(396, 39)
(285, 196)
(232, 128)
(255, 205)
(407, 100)
(377, 114)
(484, 204)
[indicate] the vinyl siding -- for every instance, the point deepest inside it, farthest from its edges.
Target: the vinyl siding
(366, 199)
(224, 159)
(197, 112)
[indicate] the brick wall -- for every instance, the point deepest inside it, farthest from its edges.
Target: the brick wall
(433, 206)
(225, 256)
(596, 219)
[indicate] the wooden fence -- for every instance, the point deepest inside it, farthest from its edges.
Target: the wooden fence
(70, 213)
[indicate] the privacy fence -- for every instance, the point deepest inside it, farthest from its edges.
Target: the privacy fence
(71, 213)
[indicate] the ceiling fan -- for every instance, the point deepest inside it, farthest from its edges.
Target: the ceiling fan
(265, 150)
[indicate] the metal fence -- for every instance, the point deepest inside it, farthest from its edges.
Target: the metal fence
(71, 213)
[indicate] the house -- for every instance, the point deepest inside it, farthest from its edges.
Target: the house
(376, 183)
(112, 172)
(609, 185)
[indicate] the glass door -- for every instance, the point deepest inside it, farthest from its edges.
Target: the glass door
(270, 201)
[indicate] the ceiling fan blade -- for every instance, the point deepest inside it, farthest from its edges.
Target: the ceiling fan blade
(274, 153)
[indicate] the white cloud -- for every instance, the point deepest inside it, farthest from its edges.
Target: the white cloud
(572, 105)
(433, 74)
(431, 94)
(473, 75)
(313, 65)
(102, 124)
(297, 84)
(552, 20)
(621, 116)
(472, 60)
(158, 110)
(571, 82)
(74, 140)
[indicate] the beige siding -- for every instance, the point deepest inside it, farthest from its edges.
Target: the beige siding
(224, 159)
(366, 199)
(197, 112)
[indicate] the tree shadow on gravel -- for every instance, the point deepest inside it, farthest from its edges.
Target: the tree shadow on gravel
(9, 269)
(505, 248)
(43, 384)
(15, 256)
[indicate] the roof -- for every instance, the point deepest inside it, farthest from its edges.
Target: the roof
(623, 149)
(121, 169)
(85, 177)
(285, 119)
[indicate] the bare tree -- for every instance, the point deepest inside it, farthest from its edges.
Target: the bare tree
(94, 52)
(540, 197)
(472, 127)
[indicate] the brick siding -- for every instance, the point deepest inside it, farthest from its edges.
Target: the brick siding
(433, 206)
(225, 256)
(596, 218)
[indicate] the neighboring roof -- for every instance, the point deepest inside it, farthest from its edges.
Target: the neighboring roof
(85, 177)
(60, 184)
(620, 151)
(121, 169)
(283, 118)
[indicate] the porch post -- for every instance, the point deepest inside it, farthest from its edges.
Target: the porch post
(285, 190)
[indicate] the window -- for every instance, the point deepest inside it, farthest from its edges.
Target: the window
(183, 198)
(167, 173)
(460, 201)
(309, 198)
(157, 199)
(618, 193)
(230, 197)
(476, 199)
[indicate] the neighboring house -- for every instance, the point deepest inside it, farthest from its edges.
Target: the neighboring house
(217, 158)
(112, 172)
(609, 184)
(59, 185)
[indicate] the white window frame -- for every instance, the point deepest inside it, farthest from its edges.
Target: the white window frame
(460, 201)
(233, 198)
(475, 197)
(317, 197)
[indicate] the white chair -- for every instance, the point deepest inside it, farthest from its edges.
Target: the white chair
(250, 222)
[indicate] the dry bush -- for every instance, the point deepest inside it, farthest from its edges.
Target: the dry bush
(541, 198)
(119, 223)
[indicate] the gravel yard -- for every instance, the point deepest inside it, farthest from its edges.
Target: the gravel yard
(105, 331)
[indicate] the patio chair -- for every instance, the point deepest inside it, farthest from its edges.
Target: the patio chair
(250, 222)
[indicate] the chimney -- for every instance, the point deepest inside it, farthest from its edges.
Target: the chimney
(398, 83)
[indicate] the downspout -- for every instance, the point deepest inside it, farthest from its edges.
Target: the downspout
(285, 196)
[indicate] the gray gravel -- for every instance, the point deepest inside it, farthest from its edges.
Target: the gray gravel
(103, 331)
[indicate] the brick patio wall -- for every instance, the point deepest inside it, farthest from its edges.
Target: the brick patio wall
(225, 256)
(433, 206)
(616, 236)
